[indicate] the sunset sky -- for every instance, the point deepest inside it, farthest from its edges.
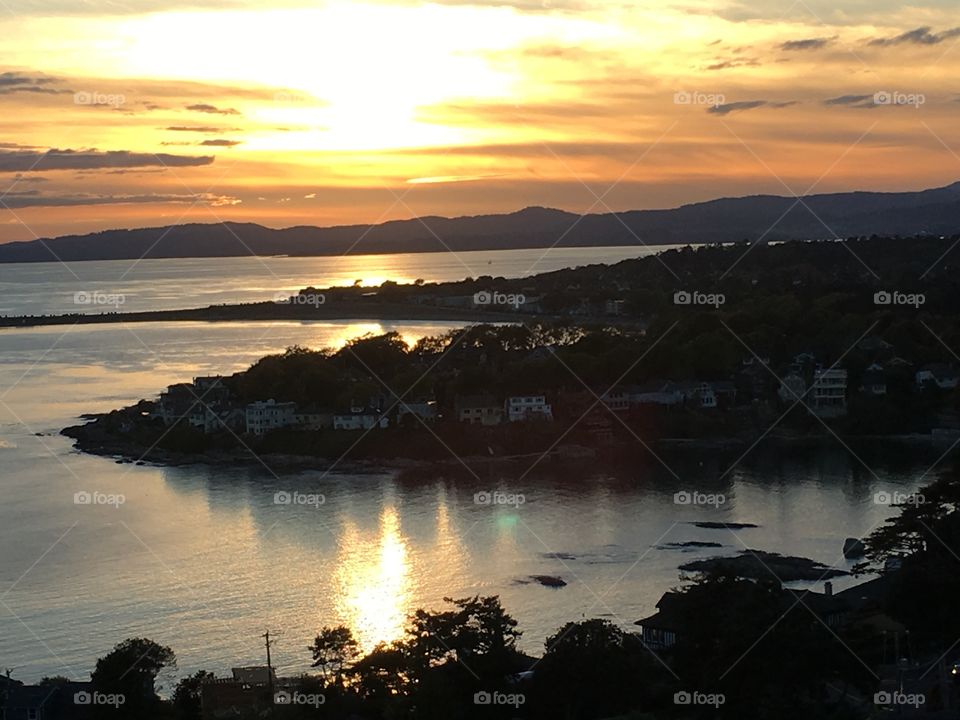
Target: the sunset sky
(154, 112)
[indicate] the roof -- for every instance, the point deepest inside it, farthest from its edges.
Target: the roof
(670, 614)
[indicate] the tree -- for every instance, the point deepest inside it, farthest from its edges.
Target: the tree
(333, 650)
(186, 696)
(131, 670)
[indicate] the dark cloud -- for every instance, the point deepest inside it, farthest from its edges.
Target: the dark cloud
(212, 109)
(733, 63)
(919, 36)
(199, 129)
(860, 101)
(34, 198)
(807, 43)
(220, 142)
(743, 105)
(12, 82)
(55, 159)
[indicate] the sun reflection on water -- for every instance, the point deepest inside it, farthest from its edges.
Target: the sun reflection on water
(373, 581)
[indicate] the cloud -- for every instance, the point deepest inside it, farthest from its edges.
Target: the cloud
(221, 143)
(860, 101)
(12, 82)
(728, 108)
(198, 129)
(807, 43)
(34, 198)
(919, 36)
(55, 159)
(733, 63)
(212, 109)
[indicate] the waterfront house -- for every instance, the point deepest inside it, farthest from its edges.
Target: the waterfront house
(360, 418)
(656, 392)
(873, 383)
(660, 630)
(264, 416)
(424, 409)
(479, 410)
(942, 375)
(830, 392)
(521, 408)
(312, 419)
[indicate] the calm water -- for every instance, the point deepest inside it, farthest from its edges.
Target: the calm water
(51, 288)
(201, 558)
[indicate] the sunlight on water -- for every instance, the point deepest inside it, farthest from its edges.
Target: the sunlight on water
(373, 580)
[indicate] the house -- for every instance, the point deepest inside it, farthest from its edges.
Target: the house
(264, 416)
(360, 418)
(615, 307)
(426, 410)
(656, 392)
(244, 695)
(699, 393)
(830, 392)
(211, 389)
(942, 375)
(617, 399)
(176, 403)
(49, 701)
(660, 631)
(520, 408)
(873, 383)
(479, 410)
(312, 419)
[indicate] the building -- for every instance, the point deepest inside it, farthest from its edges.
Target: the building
(426, 410)
(312, 419)
(943, 376)
(479, 410)
(263, 416)
(873, 383)
(830, 392)
(520, 408)
(48, 701)
(657, 392)
(359, 418)
(660, 631)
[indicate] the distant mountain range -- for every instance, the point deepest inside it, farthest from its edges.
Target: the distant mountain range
(769, 217)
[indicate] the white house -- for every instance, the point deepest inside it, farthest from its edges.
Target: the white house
(830, 392)
(528, 407)
(360, 419)
(943, 376)
(266, 415)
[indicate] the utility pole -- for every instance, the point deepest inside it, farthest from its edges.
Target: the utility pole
(266, 637)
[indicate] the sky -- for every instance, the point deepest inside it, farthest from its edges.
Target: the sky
(155, 112)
